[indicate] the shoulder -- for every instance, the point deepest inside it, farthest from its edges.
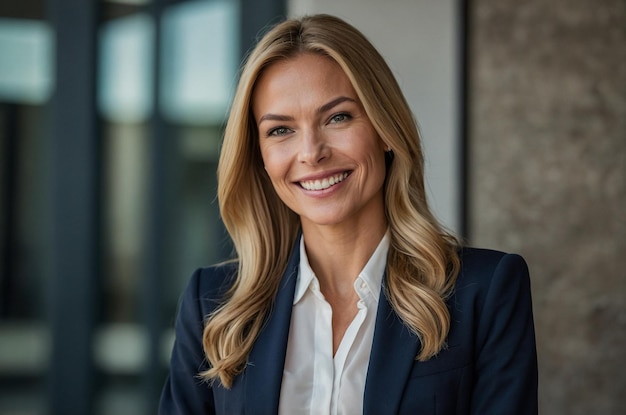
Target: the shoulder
(183, 392)
(481, 266)
(491, 296)
(485, 260)
(488, 280)
(208, 286)
(216, 279)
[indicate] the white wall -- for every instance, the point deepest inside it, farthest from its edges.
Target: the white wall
(419, 40)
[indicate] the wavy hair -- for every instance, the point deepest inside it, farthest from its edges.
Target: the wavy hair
(422, 262)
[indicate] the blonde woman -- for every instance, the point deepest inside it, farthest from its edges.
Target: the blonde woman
(346, 296)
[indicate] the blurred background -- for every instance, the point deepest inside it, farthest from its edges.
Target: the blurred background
(111, 116)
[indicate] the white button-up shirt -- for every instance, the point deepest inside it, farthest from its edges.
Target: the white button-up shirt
(315, 382)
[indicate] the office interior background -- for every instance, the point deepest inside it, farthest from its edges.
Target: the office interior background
(111, 115)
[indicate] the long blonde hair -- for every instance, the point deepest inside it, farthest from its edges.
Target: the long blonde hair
(422, 261)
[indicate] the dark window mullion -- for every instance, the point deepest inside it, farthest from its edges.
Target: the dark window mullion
(74, 208)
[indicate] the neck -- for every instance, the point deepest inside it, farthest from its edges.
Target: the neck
(338, 254)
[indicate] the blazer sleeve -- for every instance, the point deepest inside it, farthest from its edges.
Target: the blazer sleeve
(184, 392)
(506, 357)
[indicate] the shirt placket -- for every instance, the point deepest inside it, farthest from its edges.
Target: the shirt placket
(323, 367)
(347, 342)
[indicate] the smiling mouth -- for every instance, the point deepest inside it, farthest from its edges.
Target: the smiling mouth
(325, 183)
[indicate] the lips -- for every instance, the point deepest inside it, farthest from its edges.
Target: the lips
(325, 183)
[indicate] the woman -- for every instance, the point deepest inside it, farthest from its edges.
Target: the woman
(346, 295)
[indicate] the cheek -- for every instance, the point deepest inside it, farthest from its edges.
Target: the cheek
(367, 146)
(275, 162)
(378, 168)
(377, 162)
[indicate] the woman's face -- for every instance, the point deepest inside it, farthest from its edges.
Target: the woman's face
(320, 150)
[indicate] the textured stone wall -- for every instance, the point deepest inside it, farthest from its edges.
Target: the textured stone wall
(548, 180)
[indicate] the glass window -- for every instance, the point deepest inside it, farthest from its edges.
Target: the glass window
(159, 161)
(26, 64)
(199, 61)
(165, 74)
(26, 82)
(126, 77)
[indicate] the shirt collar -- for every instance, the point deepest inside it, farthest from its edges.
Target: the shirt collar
(305, 274)
(373, 271)
(371, 274)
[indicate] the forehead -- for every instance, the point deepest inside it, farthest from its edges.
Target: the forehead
(303, 71)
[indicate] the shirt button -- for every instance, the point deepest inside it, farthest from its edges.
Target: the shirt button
(363, 285)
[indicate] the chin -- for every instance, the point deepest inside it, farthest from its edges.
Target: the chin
(322, 220)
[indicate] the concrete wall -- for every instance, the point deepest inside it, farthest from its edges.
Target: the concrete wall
(548, 179)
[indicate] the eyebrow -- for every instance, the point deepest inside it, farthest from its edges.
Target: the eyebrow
(333, 103)
(275, 117)
(326, 107)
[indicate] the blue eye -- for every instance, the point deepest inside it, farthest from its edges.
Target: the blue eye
(279, 131)
(341, 117)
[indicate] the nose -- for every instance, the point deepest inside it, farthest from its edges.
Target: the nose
(313, 148)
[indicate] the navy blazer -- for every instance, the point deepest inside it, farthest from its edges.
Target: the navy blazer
(488, 367)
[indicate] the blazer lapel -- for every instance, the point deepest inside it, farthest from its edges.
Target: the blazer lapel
(264, 373)
(394, 349)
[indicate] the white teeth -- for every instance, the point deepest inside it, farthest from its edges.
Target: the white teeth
(324, 183)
